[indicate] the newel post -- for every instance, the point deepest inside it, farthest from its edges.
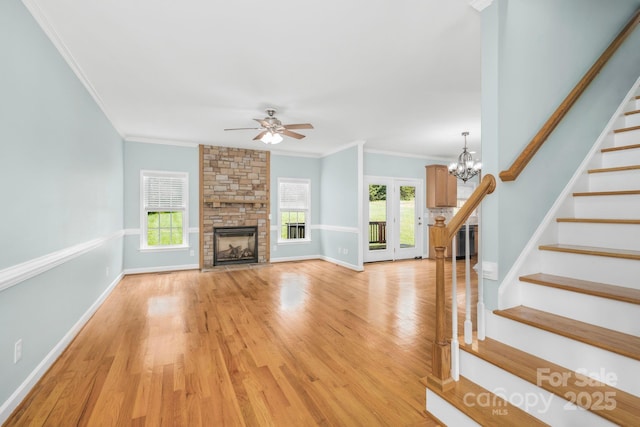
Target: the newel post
(440, 376)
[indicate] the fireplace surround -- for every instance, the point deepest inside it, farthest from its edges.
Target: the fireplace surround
(234, 193)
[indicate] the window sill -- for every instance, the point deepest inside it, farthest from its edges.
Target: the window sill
(164, 248)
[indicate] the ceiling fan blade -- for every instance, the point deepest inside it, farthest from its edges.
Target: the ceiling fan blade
(260, 135)
(263, 123)
(292, 134)
(242, 128)
(299, 126)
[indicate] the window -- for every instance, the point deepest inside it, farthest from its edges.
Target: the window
(294, 209)
(164, 213)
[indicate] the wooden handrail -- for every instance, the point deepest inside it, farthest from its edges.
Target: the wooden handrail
(440, 376)
(487, 185)
(530, 150)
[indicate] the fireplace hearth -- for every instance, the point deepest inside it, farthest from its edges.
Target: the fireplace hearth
(235, 245)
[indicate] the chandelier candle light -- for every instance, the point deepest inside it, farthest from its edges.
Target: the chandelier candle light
(466, 168)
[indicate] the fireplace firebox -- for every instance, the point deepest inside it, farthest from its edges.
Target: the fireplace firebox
(235, 245)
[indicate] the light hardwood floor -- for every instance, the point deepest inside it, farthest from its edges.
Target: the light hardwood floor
(291, 344)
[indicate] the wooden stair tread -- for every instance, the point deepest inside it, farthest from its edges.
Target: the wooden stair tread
(630, 113)
(629, 129)
(622, 147)
(527, 367)
(486, 415)
(593, 250)
(607, 193)
(615, 169)
(607, 339)
(601, 220)
(619, 293)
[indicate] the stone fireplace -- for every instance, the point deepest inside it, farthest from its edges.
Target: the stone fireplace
(234, 194)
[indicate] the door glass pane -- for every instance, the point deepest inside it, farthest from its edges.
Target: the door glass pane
(407, 216)
(377, 217)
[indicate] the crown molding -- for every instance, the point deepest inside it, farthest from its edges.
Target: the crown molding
(480, 5)
(344, 147)
(161, 141)
(409, 155)
(295, 154)
(52, 34)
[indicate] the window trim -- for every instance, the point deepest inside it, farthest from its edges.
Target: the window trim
(307, 223)
(144, 247)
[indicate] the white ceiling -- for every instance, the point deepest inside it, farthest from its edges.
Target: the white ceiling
(404, 76)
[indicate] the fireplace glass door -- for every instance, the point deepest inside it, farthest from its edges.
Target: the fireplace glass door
(235, 245)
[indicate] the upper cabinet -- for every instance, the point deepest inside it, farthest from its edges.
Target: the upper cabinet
(442, 187)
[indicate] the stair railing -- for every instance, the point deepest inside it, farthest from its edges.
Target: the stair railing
(534, 145)
(442, 234)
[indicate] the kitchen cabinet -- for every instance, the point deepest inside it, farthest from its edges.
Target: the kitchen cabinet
(442, 187)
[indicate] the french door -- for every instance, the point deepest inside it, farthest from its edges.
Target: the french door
(393, 214)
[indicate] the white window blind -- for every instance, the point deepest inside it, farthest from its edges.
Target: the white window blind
(294, 195)
(164, 193)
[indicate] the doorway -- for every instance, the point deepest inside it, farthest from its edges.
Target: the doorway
(393, 214)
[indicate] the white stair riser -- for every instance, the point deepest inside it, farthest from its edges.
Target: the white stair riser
(603, 312)
(612, 159)
(446, 412)
(615, 181)
(633, 105)
(632, 120)
(620, 207)
(627, 138)
(547, 407)
(614, 271)
(619, 236)
(619, 371)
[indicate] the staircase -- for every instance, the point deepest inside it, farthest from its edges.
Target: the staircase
(565, 351)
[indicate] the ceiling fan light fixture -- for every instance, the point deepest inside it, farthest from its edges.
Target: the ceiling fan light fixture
(271, 138)
(272, 131)
(276, 139)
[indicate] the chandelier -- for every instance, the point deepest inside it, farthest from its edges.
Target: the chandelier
(466, 168)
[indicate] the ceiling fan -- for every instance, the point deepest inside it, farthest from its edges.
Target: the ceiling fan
(272, 129)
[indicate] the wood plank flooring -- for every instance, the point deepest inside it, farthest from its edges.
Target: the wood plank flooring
(290, 344)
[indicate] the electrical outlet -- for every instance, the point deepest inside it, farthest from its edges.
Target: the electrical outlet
(106, 272)
(17, 351)
(192, 252)
(345, 251)
(275, 248)
(339, 250)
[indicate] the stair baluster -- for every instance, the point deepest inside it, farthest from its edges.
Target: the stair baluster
(455, 346)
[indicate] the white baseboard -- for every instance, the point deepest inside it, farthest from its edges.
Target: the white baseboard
(321, 257)
(21, 392)
(161, 269)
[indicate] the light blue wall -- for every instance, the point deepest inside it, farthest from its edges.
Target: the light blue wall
(534, 52)
(140, 156)
(285, 166)
(61, 166)
(339, 208)
(388, 165)
(334, 205)
(378, 164)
